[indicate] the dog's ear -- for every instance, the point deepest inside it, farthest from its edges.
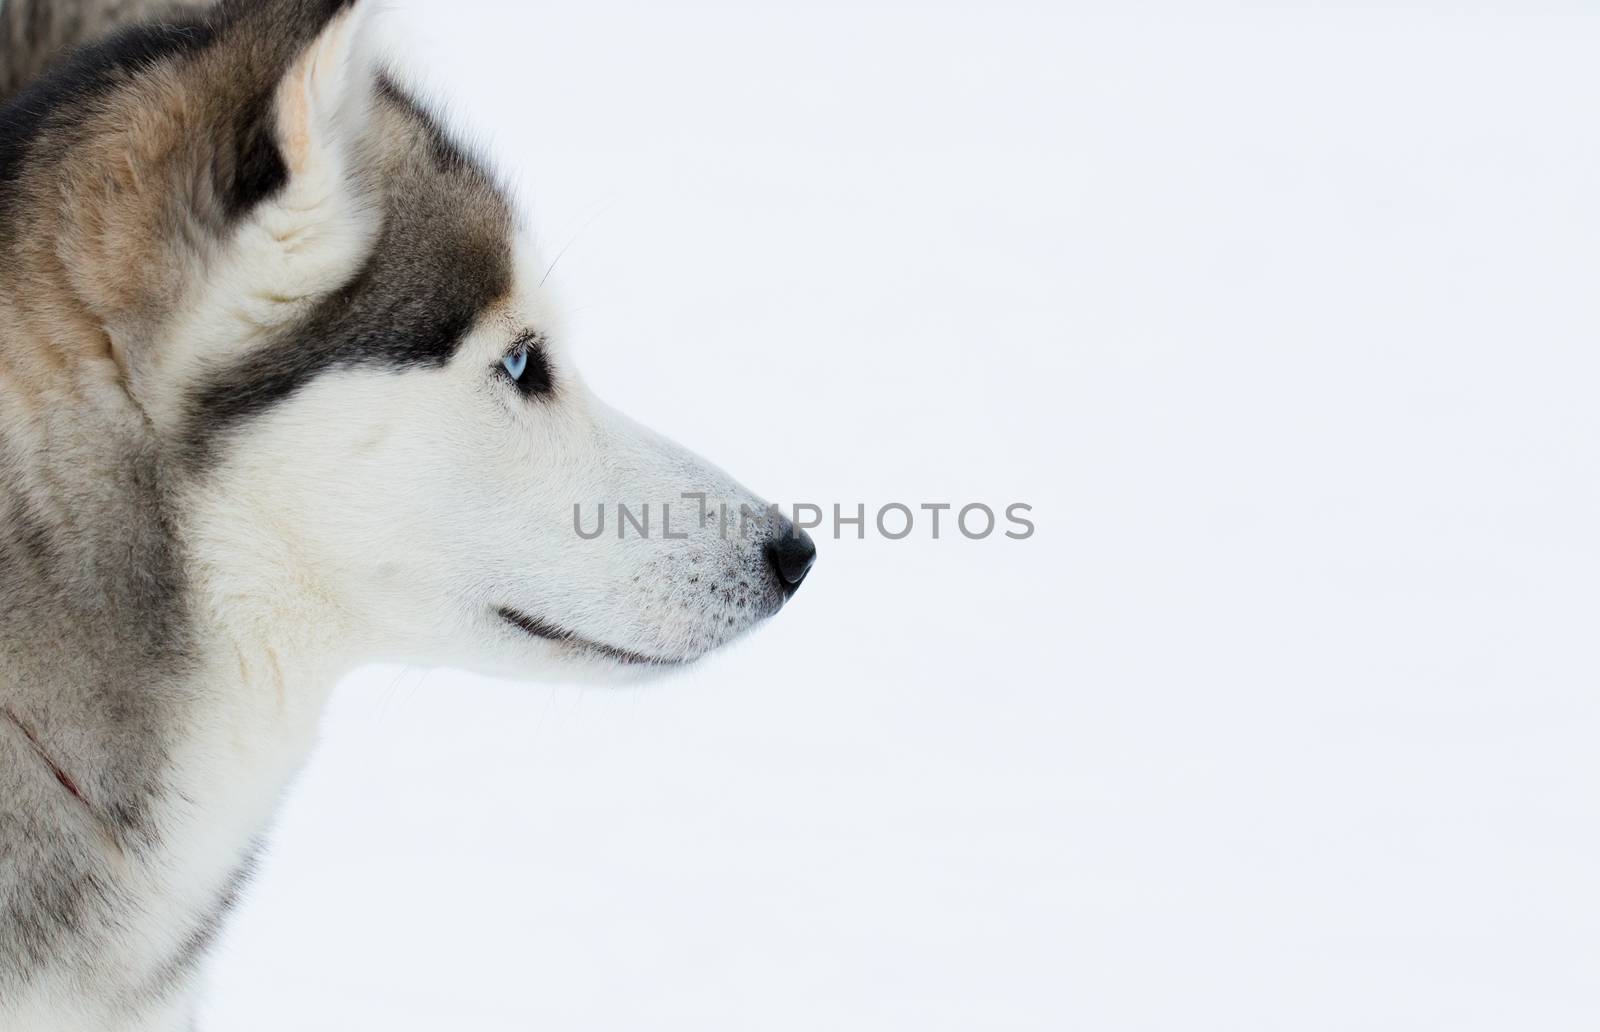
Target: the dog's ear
(232, 192)
(298, 109)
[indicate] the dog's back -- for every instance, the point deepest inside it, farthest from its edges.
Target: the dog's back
(35, 34)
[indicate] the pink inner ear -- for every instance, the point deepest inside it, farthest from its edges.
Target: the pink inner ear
(312, 90)
(294, 117)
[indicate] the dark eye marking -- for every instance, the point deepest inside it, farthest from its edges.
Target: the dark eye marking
(527, 367)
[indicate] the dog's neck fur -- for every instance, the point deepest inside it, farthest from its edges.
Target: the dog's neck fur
(173, 752)
(89, 535)
(175, 743)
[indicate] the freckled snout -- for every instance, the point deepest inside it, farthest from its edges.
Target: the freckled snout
(791, 553)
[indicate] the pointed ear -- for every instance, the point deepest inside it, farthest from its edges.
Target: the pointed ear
(317, 86)
(324, 90)
(276, 114)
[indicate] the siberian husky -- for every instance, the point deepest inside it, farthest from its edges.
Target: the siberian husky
(279, 395)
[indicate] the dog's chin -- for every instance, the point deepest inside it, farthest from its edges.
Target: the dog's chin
(593, 659)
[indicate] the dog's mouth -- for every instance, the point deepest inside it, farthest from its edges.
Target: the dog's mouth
(550, 632)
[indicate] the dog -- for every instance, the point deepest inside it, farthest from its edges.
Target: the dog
(280, 394)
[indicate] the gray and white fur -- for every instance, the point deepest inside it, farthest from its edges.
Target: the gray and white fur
(280, 394)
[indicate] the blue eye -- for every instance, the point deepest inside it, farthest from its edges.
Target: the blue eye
(525, 363)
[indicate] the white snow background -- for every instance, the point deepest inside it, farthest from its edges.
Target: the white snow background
(1285, 321)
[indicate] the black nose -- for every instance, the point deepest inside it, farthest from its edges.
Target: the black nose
(791, 553)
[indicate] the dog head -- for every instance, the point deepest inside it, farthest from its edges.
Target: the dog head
(326, 313)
